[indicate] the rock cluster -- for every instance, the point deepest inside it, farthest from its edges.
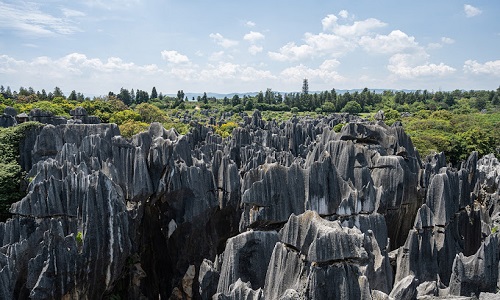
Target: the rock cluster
(78, 116)
(276, 211)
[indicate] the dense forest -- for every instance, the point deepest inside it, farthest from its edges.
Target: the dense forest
(455, 122)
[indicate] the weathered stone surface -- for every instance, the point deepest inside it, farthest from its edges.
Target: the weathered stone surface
(271, 200)
(245, 257)
(476, 273)
(281, 209)
(418, 256)
(428, 288)
(46, 117)
(7, 120)
(405, 289)
(284, 272)
(240, 290)
(378, 295)
(9, 110)
(313, 250)
(208, 279)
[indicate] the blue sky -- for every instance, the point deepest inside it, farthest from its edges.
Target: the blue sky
(96, 46)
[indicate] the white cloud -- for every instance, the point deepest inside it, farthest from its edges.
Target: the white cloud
(343, 14)
(329, 22)
(355, 29)
(254, 49)
(359, 28)
(444, 41)
(488, 68)
(252, 74)
(173, 56)
(329, 44)
(410, 66)
(218, 56)
(74, 63)
(79, 72)
(222, 41)
(253, 36)
(292, 52)
(447, 40)
(342, 40)
(112, 4)
(231, 71)
(71, 13)
(394, 42)
(27, 18)
(250, 24)
(326, 72)
(471, 11)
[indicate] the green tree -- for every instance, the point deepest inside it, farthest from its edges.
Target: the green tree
(180, 94)
(125, 96)
(305, 86)
(235, 100)
(57, 92)
(72, 95)
(328, 107)
(260, 97)
(204, 99)
(131, 127)
(352, 107)
(141, 97)
(11, 172)
(154, 94)
(150, 113)
(269, 96)
(121, 117)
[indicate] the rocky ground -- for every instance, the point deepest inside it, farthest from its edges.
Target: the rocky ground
(276, 211)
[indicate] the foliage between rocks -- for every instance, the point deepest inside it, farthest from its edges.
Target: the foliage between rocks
(11, 172)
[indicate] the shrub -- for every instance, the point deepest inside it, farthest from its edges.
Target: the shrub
(338, 127)
(226, 129)
(130, 128)
(11, 172)
(352, 107)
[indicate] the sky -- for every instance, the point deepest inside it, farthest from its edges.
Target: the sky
(228, 46)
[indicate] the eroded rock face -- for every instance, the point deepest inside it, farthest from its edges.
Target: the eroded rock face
(276, 211)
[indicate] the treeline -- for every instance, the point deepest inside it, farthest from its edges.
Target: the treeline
(419, 111)
(355, 102)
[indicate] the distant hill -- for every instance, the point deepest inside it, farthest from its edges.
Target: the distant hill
(251, 94)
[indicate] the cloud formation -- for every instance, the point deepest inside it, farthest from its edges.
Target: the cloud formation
(28, 19)
(394, 42)
(254, 49)
(250, 24)
(410, 66)
(488, 68)
(336, 39)
(173, 56)
(92, 74)
(253, 36)
(292, 52)
(326, 72)
(471, 11)
(222, 41)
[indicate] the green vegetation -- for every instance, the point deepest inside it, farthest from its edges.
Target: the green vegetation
(79, 238)
(494, 229)
(10, 171)
(455, 122)
(226, 129)
(455, 134)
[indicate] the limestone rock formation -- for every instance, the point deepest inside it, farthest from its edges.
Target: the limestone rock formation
(275, 211)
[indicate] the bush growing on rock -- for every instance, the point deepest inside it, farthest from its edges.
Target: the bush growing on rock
(10, 170)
